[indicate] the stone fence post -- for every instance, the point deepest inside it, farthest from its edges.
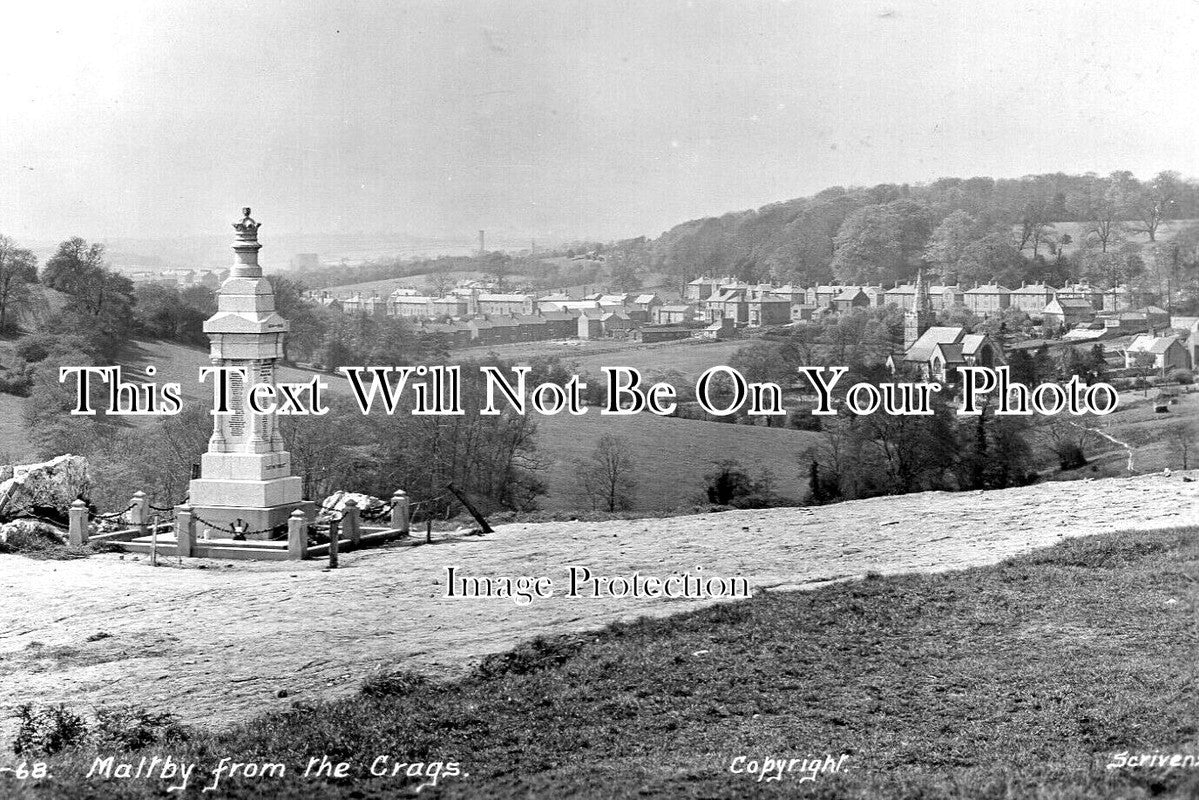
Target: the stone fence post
(185, 531)
(297, 536)
(78, 532)
(399, 512)
(139, 511)
(350, 518)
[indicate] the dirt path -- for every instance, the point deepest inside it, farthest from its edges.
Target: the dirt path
(214, 645)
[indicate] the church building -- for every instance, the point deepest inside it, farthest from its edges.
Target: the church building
(937, 351)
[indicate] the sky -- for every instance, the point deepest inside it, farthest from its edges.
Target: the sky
(561, 120)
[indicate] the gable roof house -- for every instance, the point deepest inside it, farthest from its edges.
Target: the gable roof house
(1162, 353)
(1066, 312)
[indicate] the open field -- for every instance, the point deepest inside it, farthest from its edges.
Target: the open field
(671, 456)
(688, 356)
(1077, 233)
(1023, 679)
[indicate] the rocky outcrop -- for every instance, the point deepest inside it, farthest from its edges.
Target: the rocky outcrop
(35, 488)
(26, 533)
(366, 503)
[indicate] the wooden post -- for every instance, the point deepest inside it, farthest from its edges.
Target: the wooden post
(483, 526)
(185, 531)
(78, 533)
(399, 512)
(154, 542)
(429, 531)
(139, 512)
(334, 534)
(349, 516)
(297, 536)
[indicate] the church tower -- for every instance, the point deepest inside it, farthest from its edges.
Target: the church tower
(245, 477)
(919, 317)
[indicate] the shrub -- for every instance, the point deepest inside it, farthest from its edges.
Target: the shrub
(1183, 376)
(46, 731)
(394, 684)
(130, 728)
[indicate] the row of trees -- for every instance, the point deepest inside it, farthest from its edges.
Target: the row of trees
(973, 230)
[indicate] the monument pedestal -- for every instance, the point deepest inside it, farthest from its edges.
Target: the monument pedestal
(245, 477)
(262, 519)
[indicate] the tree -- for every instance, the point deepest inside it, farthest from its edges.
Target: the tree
(948, 241)
(606, 477)
(74, 267)
(18, 269)
(867, 246)
(1152, 203)
(992, 258)
(1182, 437)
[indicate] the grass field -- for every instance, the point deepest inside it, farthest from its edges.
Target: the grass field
(1077, 233)
(1025, 679)
(671, 456)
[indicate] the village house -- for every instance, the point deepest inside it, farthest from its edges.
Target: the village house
(731, 304)
(852, 297)
(792, 294)
(672, 314)
(410, 306)
(559, 324)
(1066, 312)
(1162, 353)
(644, 304)
(802, 312)
(372, 305)
(988, 299)
(1032, 298)
(449, 306)
(1082, 291)
(700, 289)
(616, 323)
(489, 304)
(768, 311)
(822, 296)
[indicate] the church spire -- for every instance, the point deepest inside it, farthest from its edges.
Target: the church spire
(919, 317)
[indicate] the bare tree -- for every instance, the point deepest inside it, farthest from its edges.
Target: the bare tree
(606, 477)
(1182, 438)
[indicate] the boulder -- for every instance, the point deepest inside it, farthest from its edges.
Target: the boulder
(53, 484)
(29, 533)
(366, 503)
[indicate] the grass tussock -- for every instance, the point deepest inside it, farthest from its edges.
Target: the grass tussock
(1019, 680)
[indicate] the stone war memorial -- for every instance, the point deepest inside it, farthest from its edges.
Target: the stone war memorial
(245, 502)
(245, 477)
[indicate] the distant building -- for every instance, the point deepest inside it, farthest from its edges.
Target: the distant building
(1032, 298)
(988, 300)
(768, 311)
(1066, 312)
(672, 314)
(1162, 353)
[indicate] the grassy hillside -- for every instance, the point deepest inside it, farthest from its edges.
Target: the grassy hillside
(1026, 679)
(671, 455)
